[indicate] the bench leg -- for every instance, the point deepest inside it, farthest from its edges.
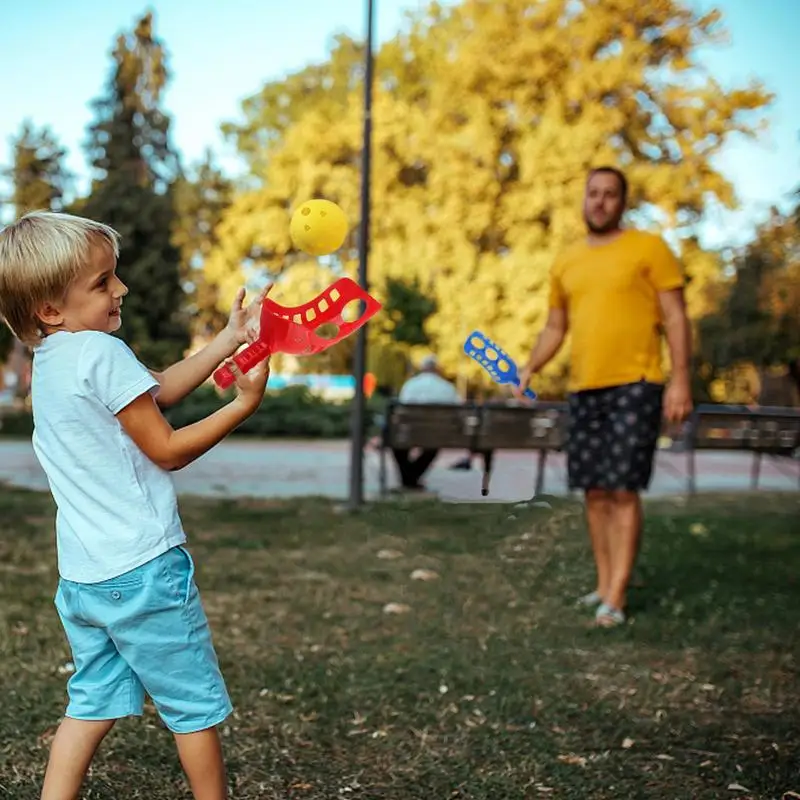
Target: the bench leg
(755, 472)
(382, 471)
(691, 466)
(540, 468)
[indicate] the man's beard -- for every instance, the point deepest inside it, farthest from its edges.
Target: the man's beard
(607, 227)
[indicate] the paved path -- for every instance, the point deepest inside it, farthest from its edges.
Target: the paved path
(244, 467)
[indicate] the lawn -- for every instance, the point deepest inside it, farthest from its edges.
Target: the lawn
(483, 681)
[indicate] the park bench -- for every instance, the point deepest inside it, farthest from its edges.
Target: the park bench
(772, 432)
(542, 428)
(486, 427)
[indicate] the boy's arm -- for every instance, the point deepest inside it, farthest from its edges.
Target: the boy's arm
(184, 377)
(174, 449)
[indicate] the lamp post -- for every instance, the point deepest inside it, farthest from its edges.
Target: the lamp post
(356, 497)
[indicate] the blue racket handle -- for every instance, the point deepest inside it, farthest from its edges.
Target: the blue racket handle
(529, 393)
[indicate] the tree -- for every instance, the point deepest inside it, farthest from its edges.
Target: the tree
(134, 192)
(758, 322)
(39, 181)
(479, 163)
(406, 311)
(201, 197)
(38, 175)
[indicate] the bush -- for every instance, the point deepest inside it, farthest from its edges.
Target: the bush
(16, 423)
(292, 413)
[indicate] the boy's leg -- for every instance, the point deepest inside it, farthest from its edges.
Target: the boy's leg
(201, 757)
(103, 685)
(166, 639)
(73, 748)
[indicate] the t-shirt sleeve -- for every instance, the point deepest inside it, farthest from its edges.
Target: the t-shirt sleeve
(664, 269)
(109, 369)
(557, 297)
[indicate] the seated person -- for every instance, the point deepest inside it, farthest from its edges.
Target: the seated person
(427, 386)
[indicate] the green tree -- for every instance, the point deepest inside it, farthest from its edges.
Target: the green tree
(39, 181)
(479, 163)
(133, 191)
(38, 175)
(758, 321)
(201, 197)
(406, 311)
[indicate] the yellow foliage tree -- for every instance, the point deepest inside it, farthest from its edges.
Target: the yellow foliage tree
(487, 117)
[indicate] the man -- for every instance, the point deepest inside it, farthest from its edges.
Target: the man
(616, 291)
(427, 386)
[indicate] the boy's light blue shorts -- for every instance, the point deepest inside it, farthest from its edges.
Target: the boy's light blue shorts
(143, 632)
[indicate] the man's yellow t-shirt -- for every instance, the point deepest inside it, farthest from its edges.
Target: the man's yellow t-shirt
(610, 294)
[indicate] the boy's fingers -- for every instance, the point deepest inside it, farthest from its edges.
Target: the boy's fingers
(262, 295)
(239, 299)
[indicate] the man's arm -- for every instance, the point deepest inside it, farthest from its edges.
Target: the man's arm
(677, 330)
(549, 342)
(678, 401)
(547, 345)
(184, 377)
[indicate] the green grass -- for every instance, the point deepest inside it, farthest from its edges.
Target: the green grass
(493, 686)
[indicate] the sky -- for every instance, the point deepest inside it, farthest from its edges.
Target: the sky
(55, 57)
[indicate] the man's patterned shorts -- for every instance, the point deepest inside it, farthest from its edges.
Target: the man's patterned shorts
(612, 436)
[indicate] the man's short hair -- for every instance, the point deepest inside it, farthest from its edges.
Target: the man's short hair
(623, 181)
(428, 362)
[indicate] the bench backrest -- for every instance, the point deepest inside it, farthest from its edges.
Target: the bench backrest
(541, 427)
(431, 425)
(544, 427)
(767, 430)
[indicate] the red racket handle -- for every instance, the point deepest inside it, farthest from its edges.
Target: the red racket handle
(245, 360)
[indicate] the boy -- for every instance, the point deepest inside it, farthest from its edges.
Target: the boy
(126, 594)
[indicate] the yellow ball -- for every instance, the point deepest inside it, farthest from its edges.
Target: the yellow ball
(318, 227)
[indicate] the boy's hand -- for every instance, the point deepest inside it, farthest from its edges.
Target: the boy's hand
(250, 386)
(243, 323)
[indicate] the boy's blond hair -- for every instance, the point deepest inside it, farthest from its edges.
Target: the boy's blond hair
(41, 254)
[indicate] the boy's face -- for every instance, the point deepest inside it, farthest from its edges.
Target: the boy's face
(94, 299)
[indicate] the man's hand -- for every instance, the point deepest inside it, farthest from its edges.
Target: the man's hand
(525, 375)
(547, 345)
(243, 323)
(678, 400)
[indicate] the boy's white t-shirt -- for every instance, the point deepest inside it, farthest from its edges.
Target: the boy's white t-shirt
(116, 509)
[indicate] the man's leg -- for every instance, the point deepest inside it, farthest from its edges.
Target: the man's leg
(625, 520)
(586, 461)
(599, 520)
(634, 424)
(420, 465)
(403, 461)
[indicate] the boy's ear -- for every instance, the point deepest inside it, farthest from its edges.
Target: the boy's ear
(49, 315)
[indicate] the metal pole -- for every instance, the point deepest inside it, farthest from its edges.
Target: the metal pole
(359, 367)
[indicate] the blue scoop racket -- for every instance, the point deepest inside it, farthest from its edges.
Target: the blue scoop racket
(494, 360)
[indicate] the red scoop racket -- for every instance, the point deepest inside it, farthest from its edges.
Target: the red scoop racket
(292, 330)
